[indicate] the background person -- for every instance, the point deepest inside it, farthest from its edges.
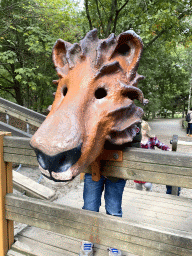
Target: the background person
(148, 142)
(189, 120)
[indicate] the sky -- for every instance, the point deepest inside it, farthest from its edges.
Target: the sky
(81, 3)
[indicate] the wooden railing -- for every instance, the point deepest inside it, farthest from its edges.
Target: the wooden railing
(26, 115)
(22, 113)
(154, 166)
(161, 167)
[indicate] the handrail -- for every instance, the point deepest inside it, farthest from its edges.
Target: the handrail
(161, 167)
(14, 131)
(21, 113)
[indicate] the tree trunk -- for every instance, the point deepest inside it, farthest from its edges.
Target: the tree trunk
(18, 95)
(88, 15)
(110, 20)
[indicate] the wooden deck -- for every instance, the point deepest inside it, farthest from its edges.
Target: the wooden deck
(153, 210)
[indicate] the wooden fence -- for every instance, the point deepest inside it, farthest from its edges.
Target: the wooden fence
(161, 167)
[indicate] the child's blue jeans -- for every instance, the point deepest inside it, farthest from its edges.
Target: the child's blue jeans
(113, 194)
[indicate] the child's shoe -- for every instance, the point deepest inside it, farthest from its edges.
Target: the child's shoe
(148, 186)
(86, 249)
(114, 252)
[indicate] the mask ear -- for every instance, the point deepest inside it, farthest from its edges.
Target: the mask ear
(65, 53)
(128, 51)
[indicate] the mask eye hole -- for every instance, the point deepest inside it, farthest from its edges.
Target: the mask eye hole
(65, 90)
(124, 49)
(100, 93)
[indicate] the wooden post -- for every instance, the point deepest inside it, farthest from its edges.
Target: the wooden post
(174, 190)
(6, 186)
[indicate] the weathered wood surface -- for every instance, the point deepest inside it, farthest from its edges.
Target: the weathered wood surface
(18, 150)
(32, 188)
(12, 252)
(152, 208)
(144, 230)
(21, 113)
(6, 186)
(161, 167)
(41, 242)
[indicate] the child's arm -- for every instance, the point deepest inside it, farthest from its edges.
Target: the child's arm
(161, 145)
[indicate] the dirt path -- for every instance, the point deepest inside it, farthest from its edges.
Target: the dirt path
(164, 129)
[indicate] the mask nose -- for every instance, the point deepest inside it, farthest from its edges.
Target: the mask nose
(60, 162)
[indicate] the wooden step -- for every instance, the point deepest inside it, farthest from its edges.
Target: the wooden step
(38, 242)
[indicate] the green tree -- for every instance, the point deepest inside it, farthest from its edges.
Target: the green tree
(28, 31)
(165, 28)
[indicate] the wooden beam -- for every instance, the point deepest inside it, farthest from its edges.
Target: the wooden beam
(10, 224)
(14, 131)
(6, 186)
(162, 167)
(18, 150)
(21, 113)
(32, 188)
(98, 228)
(17, 142)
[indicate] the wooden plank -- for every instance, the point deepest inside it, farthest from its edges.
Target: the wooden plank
(153, 166)
(167, 201)
(20, 151)
(184, 171)
(130, 154)
(148, 176)
(90, 225)
(20, 159)
(50, 241)
(164, 209)
(6, 226)
(149, 212)
(16, 253)
(10, 224)
(158, 157)
(30, 247)
(3, 191)
(32, 188)
(163, 201)
(16, 142)
(21, 112)
(186, 202)
(131, 243)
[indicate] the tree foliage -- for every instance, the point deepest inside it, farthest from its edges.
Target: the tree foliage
(28, 31)
(165, 28)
